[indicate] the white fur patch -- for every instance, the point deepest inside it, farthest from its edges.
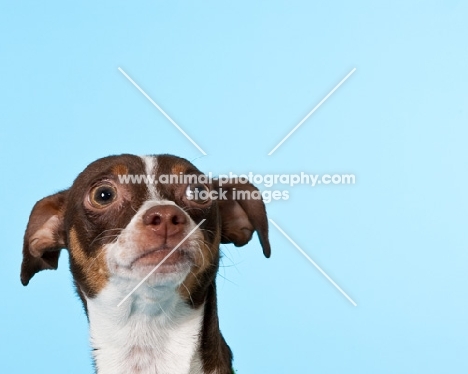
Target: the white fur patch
(150, 170)
(154, 331)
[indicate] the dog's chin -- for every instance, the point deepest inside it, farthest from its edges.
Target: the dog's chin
(165, 275)
(164, 264)
(164, 259)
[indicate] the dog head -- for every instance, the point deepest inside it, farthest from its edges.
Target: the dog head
(123, 229)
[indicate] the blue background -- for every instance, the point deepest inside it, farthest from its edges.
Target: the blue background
(237, 76)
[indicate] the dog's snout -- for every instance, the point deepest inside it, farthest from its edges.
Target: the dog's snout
(165, 220)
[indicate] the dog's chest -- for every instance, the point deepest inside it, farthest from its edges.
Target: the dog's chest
(144, 337)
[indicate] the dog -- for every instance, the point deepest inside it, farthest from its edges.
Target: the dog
(167, 234)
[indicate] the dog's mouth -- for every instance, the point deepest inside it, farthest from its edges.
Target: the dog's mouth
(164, 258)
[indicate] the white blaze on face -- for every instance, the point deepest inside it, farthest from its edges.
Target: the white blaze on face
(150, 169)
(154, 330)
(121, 253)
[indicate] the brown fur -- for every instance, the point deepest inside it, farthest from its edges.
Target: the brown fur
(94, 269)
(68, 220)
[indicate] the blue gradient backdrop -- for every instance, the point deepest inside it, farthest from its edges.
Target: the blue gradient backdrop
(237, 76)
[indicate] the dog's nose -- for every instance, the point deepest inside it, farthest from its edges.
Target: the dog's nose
(165, 220)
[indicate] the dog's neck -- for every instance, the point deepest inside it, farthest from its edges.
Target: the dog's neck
(153, 332)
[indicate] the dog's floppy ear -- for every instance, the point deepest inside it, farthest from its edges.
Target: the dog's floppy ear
(44, 237)
(242, 212)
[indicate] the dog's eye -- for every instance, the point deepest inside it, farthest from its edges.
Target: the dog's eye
(199, 193)
(101, 196)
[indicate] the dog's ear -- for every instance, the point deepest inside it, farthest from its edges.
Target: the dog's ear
(242, 212)
(44, 237)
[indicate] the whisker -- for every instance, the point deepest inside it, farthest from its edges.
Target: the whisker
(228, 280)
(190, 295)
(207, 230)
(116, 236)
(102, 233)
(162, 310)
(94, 260)
(196, 278)
(201, 252)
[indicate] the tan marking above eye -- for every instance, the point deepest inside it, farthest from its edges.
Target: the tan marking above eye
(178, 168)
(120, 170)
